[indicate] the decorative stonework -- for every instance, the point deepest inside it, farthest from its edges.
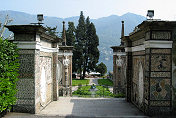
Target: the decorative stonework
(26, 69)
(160, 89)
(38, 79)
(160, 63)
(160, 74)
(161, 51)
(138, 53)
(161, 35)
(151, 47)
(138, 42)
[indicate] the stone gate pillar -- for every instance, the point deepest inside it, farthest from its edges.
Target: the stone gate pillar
(149, 65)
(38, 83)
(65, 57)
(119, 67)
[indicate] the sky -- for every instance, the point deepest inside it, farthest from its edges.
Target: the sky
(164, 9)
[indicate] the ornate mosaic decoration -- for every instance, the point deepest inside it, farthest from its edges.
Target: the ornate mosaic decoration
(160, 62)
(161, 35)
(160, 89)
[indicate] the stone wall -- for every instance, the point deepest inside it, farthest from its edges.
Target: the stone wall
(119, 67)
(65, 81)
(149, 66)
(38, 83)
(26, 83)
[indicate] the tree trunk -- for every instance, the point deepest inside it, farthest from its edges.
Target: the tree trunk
(84, 72)
(80, 72)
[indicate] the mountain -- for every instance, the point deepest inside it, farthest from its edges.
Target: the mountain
(108, 28)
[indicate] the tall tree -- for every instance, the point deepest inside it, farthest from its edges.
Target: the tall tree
(86, 48)
(86, 52)
(70, 34)
(93, 44)
(80, 43)
(101, 68)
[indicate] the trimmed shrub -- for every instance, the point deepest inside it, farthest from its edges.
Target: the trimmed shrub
(9, 65)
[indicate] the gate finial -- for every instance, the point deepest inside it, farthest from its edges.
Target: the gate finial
(64, 34)
(122, 33)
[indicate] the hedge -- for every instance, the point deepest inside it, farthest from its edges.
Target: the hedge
(9, 65)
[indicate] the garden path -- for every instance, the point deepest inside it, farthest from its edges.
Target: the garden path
(93, 81)
(74, 107)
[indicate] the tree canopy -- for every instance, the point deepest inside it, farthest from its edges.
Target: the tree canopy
(86, 54)
(101, 68)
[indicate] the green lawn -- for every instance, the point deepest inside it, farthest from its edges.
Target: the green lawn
(106, 82)
(76, 82)
(83, 91)
(103, 91)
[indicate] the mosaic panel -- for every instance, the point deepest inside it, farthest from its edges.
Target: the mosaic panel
(159, 111)
(160, 63)
(25, 101)
(160, 103)
(24, 108)
(161, 35)
(161, 51)
(160, 89)
(26, 89)
(160, 74)
(26, 69)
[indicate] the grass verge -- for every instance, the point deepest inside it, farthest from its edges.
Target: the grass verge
(76, 82)
(106, 82)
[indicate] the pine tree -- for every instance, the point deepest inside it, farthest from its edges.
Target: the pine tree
(92, 47)
(86, 53)
(70, 34)
(80, 44)
(52, 31)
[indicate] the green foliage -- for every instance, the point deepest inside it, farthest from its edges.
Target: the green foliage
(70, 34)
(9, 72)
(93, 43)
(77, 82)
(83, 91)
(106, 82)
(103, 91)
(52, 31)
(86, 53)
(101, 68)
(80, 44)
